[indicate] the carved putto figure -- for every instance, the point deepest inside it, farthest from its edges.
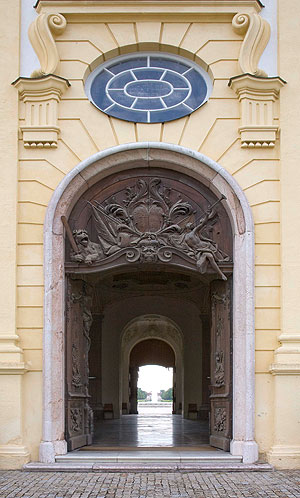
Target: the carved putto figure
(147, 226)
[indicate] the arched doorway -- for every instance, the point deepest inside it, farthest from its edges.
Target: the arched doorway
(145, 353)
(165, 349)
(212, 180)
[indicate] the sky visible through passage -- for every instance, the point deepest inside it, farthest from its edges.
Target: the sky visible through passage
(153, 378)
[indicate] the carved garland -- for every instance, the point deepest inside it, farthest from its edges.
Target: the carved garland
(219, 356)
(220, 420)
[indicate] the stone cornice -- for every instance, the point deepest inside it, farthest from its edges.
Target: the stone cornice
(13, 368)
(285, 368)
(178, 7)
(254, 83)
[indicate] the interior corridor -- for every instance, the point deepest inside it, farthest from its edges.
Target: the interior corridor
(150, 431)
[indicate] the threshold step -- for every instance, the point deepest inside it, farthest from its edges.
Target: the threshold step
(153, 456)
(146, 467)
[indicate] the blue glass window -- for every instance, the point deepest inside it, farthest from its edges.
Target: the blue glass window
(147, 88)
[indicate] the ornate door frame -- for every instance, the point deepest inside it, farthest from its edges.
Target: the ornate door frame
(220, 182)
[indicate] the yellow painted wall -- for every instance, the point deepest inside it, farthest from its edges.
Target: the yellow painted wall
(211, 130)
(12, 381)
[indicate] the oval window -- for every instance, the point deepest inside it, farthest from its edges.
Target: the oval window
(148, 88)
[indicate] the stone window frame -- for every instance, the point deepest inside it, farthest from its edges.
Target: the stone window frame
(134, 115)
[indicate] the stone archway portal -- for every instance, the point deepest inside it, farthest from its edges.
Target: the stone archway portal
(147, 222)
(216, 182)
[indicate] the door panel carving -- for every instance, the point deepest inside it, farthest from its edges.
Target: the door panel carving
(150, 219)
(221, 385)
(79, 416)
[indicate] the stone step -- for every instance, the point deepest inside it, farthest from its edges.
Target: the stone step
(146, 467)
(150, 456)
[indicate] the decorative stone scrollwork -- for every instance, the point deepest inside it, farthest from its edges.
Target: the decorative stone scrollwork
(257, 36)
(76, 419)
(219, 369)
(76, 376)
(148, 226)
(85, 299)
(220, 420)
(41, 33)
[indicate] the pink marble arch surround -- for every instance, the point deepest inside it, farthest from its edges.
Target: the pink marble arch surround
(75, 183)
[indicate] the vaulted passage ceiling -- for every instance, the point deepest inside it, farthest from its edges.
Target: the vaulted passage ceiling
(152, 352)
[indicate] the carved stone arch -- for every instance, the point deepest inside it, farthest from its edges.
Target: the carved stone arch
(219, 182)
(151, 327)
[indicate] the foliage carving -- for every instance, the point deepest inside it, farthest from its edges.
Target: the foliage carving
(148, 227)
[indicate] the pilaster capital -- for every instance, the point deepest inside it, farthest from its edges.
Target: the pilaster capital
(41, 97)
(10, 351)
(257, 96)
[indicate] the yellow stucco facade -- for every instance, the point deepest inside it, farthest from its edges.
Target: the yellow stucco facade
(266, 169)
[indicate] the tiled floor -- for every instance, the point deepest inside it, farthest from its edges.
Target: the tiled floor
(150, 431)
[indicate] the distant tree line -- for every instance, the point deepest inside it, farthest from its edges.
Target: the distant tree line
(166, 395)
(141, 394)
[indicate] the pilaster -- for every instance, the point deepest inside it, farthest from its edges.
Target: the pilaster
(285, 452)
(13, 453)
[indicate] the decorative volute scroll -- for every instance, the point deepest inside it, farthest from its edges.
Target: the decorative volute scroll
(41, 34)
(257, 36)
(151, 221)
(41, 97)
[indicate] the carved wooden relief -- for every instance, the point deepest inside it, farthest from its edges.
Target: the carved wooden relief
(221, 386)
(150, 219)
(79, 419)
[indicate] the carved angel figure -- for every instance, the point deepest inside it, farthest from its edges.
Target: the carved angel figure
(88, 251)
(204, 249)
(150, 224)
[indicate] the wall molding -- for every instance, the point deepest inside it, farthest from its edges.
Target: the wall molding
(13, 368)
